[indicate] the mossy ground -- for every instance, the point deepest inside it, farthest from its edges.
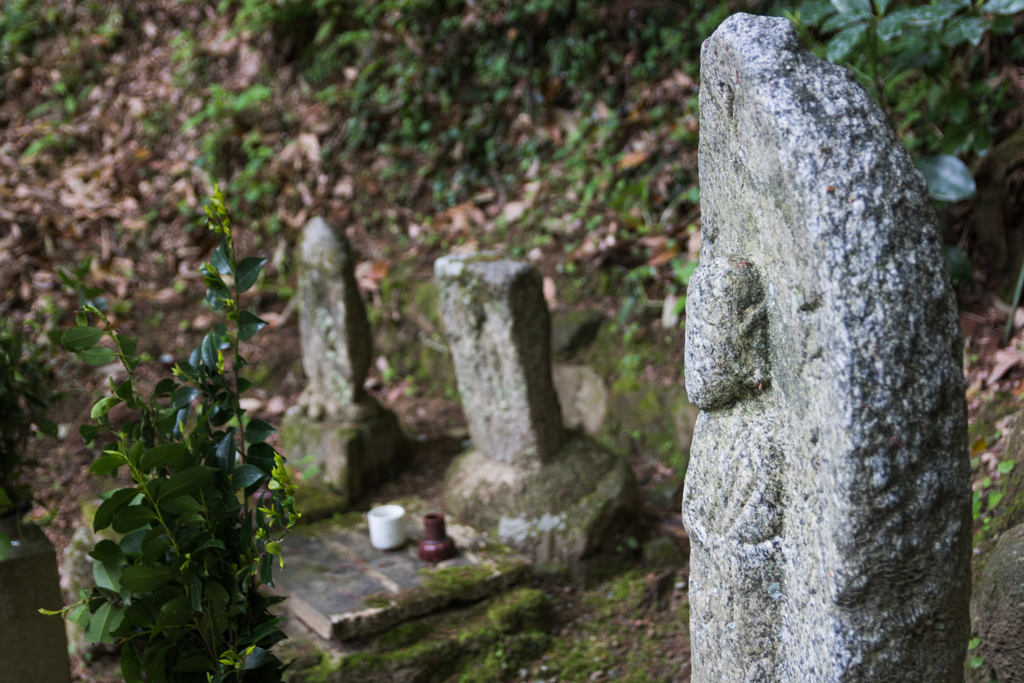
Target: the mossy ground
(630, 628)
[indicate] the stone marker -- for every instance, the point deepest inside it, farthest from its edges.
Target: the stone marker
(33, 646)
(828, 493)
(557, 498)
(339, 429)
(999, 608)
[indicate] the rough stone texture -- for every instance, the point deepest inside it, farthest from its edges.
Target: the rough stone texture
(342, 587)
(555, 497)
(582, 396)
(1000, 608)
(351, 440)
(76, 576)
(499, 334)
(559, 515)
(336, 342)
(828, 493)
(348, 456)
(33, 646)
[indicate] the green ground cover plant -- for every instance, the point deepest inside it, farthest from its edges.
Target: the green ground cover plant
(180, 590)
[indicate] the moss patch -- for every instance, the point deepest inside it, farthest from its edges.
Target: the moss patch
(526, 608)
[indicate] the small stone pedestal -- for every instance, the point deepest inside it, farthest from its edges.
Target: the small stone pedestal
(558, 498)
(349, 456)
(33, 646)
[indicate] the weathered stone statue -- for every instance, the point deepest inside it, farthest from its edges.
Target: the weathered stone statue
(555, 496)
(340, 430)
(828, 493)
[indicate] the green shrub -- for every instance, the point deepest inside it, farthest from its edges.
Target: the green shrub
(25, 379)
(442, 83)
(180, 590)
(922, 63)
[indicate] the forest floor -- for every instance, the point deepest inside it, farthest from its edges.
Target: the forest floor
(116, 180)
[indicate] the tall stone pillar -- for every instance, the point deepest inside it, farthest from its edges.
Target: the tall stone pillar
(828, 493)
(557, 497)
(338, 427)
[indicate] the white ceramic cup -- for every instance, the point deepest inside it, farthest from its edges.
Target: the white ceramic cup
(387, 527)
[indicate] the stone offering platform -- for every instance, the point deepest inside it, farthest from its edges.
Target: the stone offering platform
(342, 587)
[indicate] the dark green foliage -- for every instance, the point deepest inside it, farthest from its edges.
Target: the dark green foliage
(25, 379)
(180, 590)
(450, 81)
(923, 63)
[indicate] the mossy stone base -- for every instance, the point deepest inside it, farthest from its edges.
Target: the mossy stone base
(430, 648)
(347, 457)
(558, 514)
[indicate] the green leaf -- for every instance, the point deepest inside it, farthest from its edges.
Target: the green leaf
(103, 406)
(1003, 6)
(208, 349)
(133, 517)
(196, 594)
(210, 543)
(131, 544)
(177, 612)
(248, 272)
(117, 500)
(859, 6)
(948, 178)
(975, 642)
(109, 552)
(141, 579)
(845, 42)
(245, 476)
(81, 338)
(183, 396)
(136, 453)
(89, 432)
(103, 622)
(977, 661)
(257, 658)
(97, 355)
(993, 499)
(194, 663)
(126, 344)
(182, 505)
(164, 387)
(220, 261)
(5, 546)
(257, 431)
(248, 325)
(106, 575)
(958, 264)
(1005, 467)
(80, 615)
(962, 30)
(161, 455)
(189, 480)
(106, 464)
(130, 668)
(837, 22)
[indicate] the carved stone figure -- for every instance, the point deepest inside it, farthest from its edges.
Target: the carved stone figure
(828, 493)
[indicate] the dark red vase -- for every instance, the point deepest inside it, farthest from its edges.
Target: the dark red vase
(436, 545)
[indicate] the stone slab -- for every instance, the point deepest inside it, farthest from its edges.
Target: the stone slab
(342, 587)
